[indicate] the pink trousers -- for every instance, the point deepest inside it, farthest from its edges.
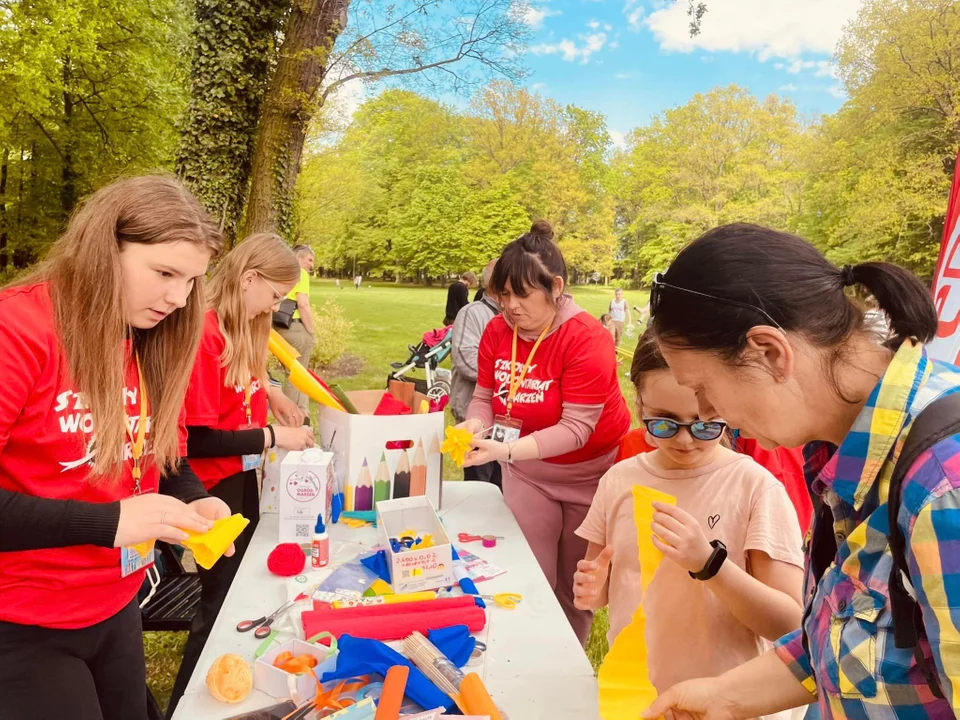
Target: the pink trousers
(548, 515)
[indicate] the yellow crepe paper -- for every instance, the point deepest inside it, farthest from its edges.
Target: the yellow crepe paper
(144, 548)
(457, 444)
(624, 678)
(209, 546)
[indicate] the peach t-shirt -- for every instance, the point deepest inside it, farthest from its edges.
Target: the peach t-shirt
(690, 633)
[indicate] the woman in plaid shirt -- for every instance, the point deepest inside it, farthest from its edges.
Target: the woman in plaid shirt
(758, 323)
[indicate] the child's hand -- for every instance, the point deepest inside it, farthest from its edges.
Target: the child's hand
(589, 579)
(679, 536)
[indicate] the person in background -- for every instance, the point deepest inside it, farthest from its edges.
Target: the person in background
(467, 330)
(458, 296)
(760, 325)
(619, 314)
(547, 382)
(736, 601)
(226, 408)
(301, 333)
(96, 348)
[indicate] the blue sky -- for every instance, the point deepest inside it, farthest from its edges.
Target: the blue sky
(631, 59)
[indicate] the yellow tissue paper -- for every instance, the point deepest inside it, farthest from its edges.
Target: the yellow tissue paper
(144, 548)
(624, 678)
(457, 444)
(209, 546)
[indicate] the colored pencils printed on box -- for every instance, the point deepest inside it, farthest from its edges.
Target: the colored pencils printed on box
(363, 493)
(401, 478)
(418, 472)
(381, 484)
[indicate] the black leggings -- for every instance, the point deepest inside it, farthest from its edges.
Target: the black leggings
(241, 492)
(95, 673)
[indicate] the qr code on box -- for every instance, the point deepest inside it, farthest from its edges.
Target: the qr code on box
(303, 531)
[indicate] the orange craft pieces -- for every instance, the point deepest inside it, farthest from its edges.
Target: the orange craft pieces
(391, 697)
(457, 444)
(624, 678)
(209, 546)
(230, 679)
(294, 665)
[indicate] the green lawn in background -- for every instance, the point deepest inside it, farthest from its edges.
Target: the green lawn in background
(386, 318)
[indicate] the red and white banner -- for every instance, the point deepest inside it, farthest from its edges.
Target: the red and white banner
(946, 282)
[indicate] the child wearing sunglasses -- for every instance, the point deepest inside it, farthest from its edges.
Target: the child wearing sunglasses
(732, 571)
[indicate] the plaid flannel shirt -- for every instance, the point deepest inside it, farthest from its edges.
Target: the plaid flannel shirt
(845, 653)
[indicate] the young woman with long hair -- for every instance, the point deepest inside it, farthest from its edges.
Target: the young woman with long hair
(96, 348)
(226, 406)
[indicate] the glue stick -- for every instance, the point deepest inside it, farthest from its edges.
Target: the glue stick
(320, 547)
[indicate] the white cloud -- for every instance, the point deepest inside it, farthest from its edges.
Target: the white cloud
(614, 45)
(608, 27)
(593, 25)
(534, 16)
(789, 87)
(619, 140)
(634, 18)
(537, 87)
(622, 76)
(770, 28)
(837, 91)
(570, 50)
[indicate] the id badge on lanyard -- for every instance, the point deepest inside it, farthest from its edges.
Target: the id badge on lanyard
(505, 427)
(252, 461)
(134, 558)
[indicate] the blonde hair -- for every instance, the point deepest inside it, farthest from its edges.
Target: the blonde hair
(245, 353)
(85, 281)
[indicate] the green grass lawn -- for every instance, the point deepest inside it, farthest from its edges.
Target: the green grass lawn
(386, 318)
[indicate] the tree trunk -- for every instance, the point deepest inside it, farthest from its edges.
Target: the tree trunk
(68, 177)
(312, 29)
(3, 208)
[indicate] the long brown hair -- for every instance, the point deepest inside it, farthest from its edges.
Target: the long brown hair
(245, 354)
(84, 275)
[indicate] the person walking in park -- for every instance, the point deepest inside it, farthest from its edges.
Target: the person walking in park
(467, 330)
(547, 384)
(620, 315)
(760, 326)
(301, 333)
(458, 296)
(96, 348)
(226, 408)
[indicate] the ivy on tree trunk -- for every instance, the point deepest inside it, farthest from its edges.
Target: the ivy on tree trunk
(312, 30)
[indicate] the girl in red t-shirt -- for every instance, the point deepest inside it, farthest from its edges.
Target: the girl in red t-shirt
(547, 389)
(226, 407)
(95, 353)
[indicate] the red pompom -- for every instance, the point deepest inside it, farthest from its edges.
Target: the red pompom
(287, 560)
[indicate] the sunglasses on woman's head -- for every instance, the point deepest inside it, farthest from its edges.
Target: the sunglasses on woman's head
(656, 297)
(664, 428)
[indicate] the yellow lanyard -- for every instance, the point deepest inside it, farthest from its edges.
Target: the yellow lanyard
(246, 405)
(518, 383)
(136, 444)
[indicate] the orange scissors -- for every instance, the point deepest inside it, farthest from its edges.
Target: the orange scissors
(467, 537)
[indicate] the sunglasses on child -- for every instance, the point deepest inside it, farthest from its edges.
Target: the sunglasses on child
(664, 428)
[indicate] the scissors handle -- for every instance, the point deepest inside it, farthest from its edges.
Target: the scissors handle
(261, 632)
(248, 625)
(467, 537)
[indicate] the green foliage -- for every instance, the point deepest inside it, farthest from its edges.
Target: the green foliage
(332, 332)
(92, 89)
(621, 284)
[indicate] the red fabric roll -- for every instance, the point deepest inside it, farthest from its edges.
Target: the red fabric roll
(460, 601)
(286, 560)
(394, 624)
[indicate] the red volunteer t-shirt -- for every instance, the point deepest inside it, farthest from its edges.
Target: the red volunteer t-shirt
(575, 364)
(46, 450)
(211, 403)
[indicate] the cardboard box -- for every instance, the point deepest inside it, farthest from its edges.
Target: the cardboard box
(305, 491)
(383, 457)
(269, 498)
(280, 684)
(415, 570)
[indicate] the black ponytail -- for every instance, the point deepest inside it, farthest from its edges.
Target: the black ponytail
(905, 300)
(758, 275)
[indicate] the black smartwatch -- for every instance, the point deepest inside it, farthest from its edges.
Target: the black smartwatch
(714, 563)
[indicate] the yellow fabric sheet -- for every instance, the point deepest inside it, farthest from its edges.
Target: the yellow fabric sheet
(209, 546)
(625, 687)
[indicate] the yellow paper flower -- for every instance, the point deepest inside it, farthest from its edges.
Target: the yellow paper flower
(457, 444)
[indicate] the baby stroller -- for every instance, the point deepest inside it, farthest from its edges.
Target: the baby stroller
(432, 350)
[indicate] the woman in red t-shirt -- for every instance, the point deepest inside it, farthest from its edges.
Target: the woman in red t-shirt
(547, 388)
(226, 407)
(95, 354)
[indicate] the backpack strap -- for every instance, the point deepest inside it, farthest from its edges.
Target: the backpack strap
(937, 421)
